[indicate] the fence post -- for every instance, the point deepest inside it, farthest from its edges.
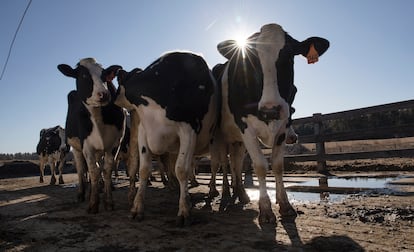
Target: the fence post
(320, 144)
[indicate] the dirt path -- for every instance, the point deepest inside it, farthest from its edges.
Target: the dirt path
(40, 217)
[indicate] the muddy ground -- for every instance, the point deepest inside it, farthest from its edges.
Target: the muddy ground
(42, 217)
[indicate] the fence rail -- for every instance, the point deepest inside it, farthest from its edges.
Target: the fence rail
(320, 137)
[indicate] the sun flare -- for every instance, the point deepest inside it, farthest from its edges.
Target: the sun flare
(241, 43)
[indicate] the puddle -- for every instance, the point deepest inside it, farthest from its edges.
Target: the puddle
(355, 182)
(331, 189)
(71, 185)
(298, 197)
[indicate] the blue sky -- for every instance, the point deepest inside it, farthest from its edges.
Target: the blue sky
(368, 63)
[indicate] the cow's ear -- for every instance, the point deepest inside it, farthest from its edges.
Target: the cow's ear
(311, 45)
(109, 73)
(227, 48)
(67, 70)
(121, 76)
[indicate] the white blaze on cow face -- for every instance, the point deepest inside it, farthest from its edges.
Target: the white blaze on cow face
(100, 95)
(268, 44)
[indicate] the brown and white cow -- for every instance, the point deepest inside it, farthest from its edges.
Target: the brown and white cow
(176, 101)
(94, 127)
(257, 93)
(52, 150)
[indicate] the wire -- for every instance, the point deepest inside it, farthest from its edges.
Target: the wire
(14, 38)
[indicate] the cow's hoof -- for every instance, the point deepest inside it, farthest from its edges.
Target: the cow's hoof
(53, 181)
(213, 193)
(183, 221)
(137, 216)
(267, 217)
(93, 209)
(243, 197)
(225, 202)
(81, 197)
(133, 215)
(41, 180)
(61, 182)
(266, 214)
(109, 206)
(287, 212)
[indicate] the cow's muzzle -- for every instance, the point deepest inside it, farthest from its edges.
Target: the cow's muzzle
(269, 114)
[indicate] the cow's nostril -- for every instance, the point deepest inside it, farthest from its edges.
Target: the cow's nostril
(268, 114)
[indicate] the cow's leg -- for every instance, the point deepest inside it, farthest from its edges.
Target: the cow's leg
(218, 154)
(52, 163)
(145, 158)
(95, 175)
(81, 171)
(237, 151)
(225, 194)
(132, 167)
(214, 166)
(260, 165)
(193, 179)
(169, 161)
(42, 163)
(60, 167)
(248, 171)
(162, 167)
(116, 168)
(107, 171)
(285, 209)
(182, 168)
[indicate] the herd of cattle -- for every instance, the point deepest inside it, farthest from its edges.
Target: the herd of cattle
(181, 109)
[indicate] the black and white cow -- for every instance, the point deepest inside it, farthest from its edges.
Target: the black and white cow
(94, 126)
(257, 93)
(52, 150)
(176, 100)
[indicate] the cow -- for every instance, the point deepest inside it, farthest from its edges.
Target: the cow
(175, 98)
(257, 93)
(52, 150)
(94, 127)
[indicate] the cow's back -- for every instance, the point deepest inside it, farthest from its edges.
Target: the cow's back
(182, 85)
(50, 141)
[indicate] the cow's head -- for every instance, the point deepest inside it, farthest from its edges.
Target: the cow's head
(270, 54)
(121, 95)
(93, 83)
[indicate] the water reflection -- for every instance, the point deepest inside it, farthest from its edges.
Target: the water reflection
(324, 189)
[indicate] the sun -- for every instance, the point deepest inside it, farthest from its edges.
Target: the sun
(241, 43)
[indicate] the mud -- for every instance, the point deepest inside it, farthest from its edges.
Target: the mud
(42, 217)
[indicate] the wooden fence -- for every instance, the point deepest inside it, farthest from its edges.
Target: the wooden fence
(320, 136)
